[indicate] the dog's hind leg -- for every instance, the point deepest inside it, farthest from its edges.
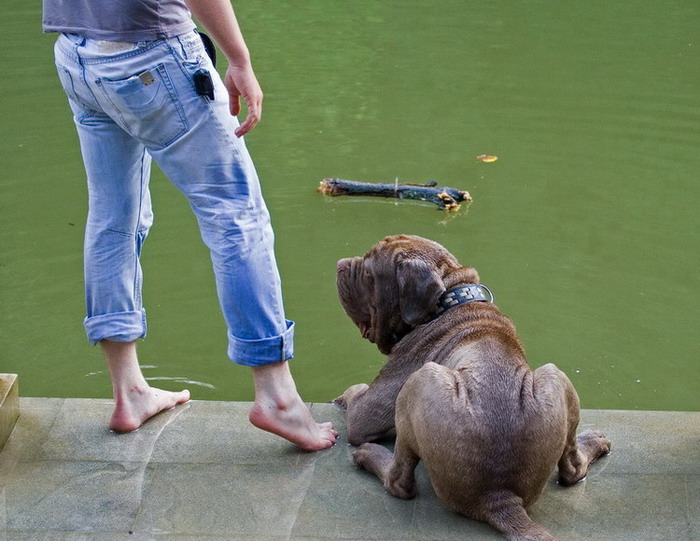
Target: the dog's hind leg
(582, 450)
(590, 445)
(395, 471)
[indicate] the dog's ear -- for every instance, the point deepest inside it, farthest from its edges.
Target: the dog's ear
(420, 287)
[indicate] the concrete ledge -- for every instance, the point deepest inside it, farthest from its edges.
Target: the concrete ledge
(9, 405)
(202, 471)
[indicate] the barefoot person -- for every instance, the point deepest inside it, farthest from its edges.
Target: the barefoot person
(142, 88)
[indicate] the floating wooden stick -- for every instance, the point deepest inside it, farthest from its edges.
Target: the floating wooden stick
(444, 198)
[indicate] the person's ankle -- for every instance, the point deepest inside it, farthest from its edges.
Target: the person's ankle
(130, 391)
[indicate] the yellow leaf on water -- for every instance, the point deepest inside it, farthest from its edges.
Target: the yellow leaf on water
(486, 158)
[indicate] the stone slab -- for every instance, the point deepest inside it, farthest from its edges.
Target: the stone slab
(202, 471)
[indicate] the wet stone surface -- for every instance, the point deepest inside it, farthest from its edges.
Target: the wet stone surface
(201, 470)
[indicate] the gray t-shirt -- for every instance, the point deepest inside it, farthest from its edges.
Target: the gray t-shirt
(118, 20)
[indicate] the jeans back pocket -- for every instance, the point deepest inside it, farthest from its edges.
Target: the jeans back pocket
(147, 106)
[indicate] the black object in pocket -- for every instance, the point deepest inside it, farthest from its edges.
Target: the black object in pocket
(204, 84)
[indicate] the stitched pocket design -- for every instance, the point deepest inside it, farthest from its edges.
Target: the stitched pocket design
(66, 82)
(147, 106)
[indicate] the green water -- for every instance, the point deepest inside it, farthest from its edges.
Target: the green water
(585, 228)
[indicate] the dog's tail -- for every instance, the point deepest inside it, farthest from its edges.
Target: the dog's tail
(505, 512)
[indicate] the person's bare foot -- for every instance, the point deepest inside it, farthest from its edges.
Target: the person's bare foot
(137, 405)
(294, 423)
(278, 409)
(134, 400)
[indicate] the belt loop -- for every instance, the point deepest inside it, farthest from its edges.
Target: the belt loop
(76, 45)
(182, 48)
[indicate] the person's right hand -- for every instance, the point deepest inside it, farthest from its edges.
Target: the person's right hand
(240, 81)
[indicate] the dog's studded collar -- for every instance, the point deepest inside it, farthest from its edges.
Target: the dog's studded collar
(461, 295)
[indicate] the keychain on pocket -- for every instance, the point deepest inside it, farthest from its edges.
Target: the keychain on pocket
(204, 84)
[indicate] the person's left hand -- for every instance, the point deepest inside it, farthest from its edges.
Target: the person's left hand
(240, 81)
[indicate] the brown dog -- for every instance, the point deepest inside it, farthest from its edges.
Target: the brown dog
(457, 388)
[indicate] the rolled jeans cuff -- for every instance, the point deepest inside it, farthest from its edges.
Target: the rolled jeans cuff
(263, 351)
(119, 326)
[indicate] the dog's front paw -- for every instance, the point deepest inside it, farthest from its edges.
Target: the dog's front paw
(377, 459)
(352, 393)
(593, 444)
(362, 456)
(372, 457)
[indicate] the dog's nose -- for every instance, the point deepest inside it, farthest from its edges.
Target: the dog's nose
(342, 265)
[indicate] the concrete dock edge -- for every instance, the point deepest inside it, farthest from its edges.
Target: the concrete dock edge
(9, 406)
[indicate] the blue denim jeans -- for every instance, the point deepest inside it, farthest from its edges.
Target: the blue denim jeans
(134, 102)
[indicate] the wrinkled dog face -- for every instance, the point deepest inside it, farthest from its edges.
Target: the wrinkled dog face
(394, 286)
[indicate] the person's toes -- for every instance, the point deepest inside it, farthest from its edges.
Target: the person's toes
(181, 397)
